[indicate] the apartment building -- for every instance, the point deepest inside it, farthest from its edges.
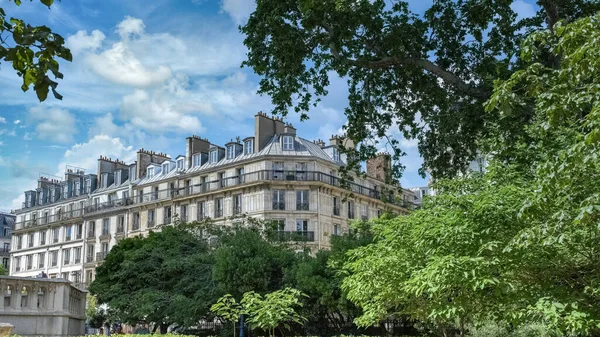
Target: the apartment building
(7, 225)
(273, 175)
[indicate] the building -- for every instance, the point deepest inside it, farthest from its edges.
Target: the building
(42, 307)
(273, 174)
(7, 225)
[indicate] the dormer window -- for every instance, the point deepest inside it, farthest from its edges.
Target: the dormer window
(230, 152)
(180, 164)
(336, 154)
(196, 160)
(150, 172)
(214, 157)
(288, 142)
(165, 168)
(249, 146)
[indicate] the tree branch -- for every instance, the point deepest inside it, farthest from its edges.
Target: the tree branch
(551, 12)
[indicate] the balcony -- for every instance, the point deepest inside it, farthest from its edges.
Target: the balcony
(55, 240)
(78, 236)
(41, 265)
(54, 263)
(29, 267)
(49, 219)
(279, 206)
(4, 251)
(150, 223)
(297, 236)
(68, 238)
(89, 258)
(29, 244)
(108, 206)
(105, 235)
(78, 260)
(237, 209)
(120, 229)
(91, 234)
(100, 256)
(135, 226)
(42, 242)
(167, 220)
(218, 213)
(302, 206)
(202, 216)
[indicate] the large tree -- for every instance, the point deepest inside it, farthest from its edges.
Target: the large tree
(33, 52)
(520, 242)
(426, 76)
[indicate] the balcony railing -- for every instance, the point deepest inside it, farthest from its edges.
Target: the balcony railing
(202, 216)
(167, 220)
(48, 219)
(280, 206)
(55, 240)
(120, 229)
(91, 234)
(302, 206)
(78, 260)
(42, 242)
(40, 266)
(150, 223)
(237, 209)
(336, 210)
(108, 205)
(100, 256)
(89, 258)
(78, 236)
(68, 238)
(19, 246)
(135, 225)
(218, 213)
(29, 267)
(54, 263)
(300, 236)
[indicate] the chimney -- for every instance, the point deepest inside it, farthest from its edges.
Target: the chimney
(380, 166)
(265, 128)
(193, 145)
(145, 158)
(289, 129)
(320, 143)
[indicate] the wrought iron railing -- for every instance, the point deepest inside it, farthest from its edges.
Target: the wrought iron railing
(100, 256)
(280, 206)
(308, 236)
(302, 206)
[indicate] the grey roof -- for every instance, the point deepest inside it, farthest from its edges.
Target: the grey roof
(302, 148)
(114, 186)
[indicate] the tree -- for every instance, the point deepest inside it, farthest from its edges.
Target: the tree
(3, 271)
(427, 76)
(33, 52)
(228, 310)
(162, 279)
(517, 244)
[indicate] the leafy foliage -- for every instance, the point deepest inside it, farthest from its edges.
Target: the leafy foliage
(517, 244)
(33, 52)
(3, 271)
(426, 76)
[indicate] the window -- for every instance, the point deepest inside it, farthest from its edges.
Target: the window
(301, 225)
(41, 260)
(336, 229)
(6, 247)
(30, 240)
(66, 256)
(218, 207)
(279, 224)
(150, 172)
(279, 200)
(92, 230)
(237, 204)
(5, 262)
(90, 253)
(183, 213)
(379, 213)
(165, 168)
(136, 221)
(240, 174)
(336, 154)
(278, 170)
(214, 157)
(302, 200)
(5, 231)
(350, 209)
(125, 194)
(79, 231)
(106, 226)
(201, 210)
(230, 151)
(301, 169)
(56, 234)
(19, 241)
(288, 142)
(196, 160)
(104, 248)
(29, 260)
(167, 215)
(68, 230)
(150, 218)
(363, 212)
(77, 254)
(17, 263)
(121, 224)
(42, 238)
(336, 206)
(249, 146)
(221, 178)
(54, 258)
(180, 165)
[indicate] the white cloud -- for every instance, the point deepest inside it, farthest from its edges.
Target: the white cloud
(169, 108)
(17, 121)
(523, 9)
(27, 136)
(85, 155)
(129, 27)
(82, 41)
(53, 124)
(238, 10)
(2, 120)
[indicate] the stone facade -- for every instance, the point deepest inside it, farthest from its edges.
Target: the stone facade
(42, 307)
(380, 166)
(7, 226)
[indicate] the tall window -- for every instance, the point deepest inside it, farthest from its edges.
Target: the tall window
(151, 218)
(29, 260)
(201, 210)
(230, 151)
(183, 210)
(136, 221)
(196, 159)
(288, 142)
(363, 212)
(79, 231)
(279, 224)
(167, 215)
(106, 226)
(42, 238)
(301, 169)
(41, 260)
(92, 229)
(237, 204)
(77, 254)
(336, 154)
(277, 170)
(336, 206)
(30, 240)
(279, 200)
(68, 232)
(5, 231)
(121, 224)
(302, 201)
(19, 242)
(214, 156)
(165, 168)
(66, 256)
(90, 253)
(54, 258)
(336, 229)
(218, 207)
(301, 225)
(180, 165)
(17, 263)
(350, 209)
(249, 146)
(56, 235)
(150, 172)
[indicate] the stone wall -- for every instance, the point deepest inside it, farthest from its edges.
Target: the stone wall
(42, 307)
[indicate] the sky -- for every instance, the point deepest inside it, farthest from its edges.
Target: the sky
(147, 74)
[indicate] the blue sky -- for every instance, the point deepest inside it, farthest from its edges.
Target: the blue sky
(145, 74)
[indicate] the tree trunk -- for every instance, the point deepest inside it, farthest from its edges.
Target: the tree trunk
(163, 328)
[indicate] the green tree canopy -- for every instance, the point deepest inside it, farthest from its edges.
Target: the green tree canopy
(426, 76)
(33, 52)
(518, 243)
